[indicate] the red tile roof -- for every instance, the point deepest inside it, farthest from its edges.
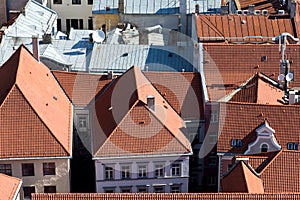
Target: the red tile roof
(279, 172)
(81, 88)
(226, 67)
(33, 109)
(165, 196)
(241, 28)
(9, 187)
(242, 178)
(186, 97)
(240, 120)
(259, 89)
(122, 117)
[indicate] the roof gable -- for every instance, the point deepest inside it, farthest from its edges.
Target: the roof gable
(44, 95)
(10, 187)
(112, 107)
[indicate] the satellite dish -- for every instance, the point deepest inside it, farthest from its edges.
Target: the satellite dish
(289, 76)
(281, 77)
(98, 36)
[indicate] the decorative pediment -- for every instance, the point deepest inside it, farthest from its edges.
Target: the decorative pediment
(265, 140)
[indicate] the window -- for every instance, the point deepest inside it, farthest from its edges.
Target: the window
(125, 189)
(68, 23)
(125, 172)
(90, 23)
(212, 180)
(213, 138)
(212, 160)
(28, 191)
(109, 173)
(264, 148)
(175, 189)
(176, 169)
(142, 189)
(27, 169)
(292, 146)
(264, 58)
(49, 169)
(159, 189)
(76, 1)
(82, 123)
(59, 24)
(213, 116)
(90, 2)
(6, 169)
(142, 170)
(236, 143)
(49, 189)
(159, 170)
(109, 190)
(57, 1)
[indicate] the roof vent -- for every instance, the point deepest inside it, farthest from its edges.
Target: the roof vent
(281, 12)
(245, 12)
(264, 12)
(256, 12)
(239, 12)
(110, 75)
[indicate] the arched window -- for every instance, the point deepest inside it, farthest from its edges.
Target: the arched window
(264, 148)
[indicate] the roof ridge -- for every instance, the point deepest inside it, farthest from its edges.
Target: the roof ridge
(43, 121)
(110, 135)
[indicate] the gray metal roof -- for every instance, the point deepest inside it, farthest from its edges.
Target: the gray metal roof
(155, 6)
(35, 20)
(121, 57)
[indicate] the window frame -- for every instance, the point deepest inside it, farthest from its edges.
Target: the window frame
(90, 2)
(57, 2)
(157, 188)
(50, 188)
(125, 172)
(176, 187)
(142, 171)
(109, 173)
(76, 2)
(214, 116)
(27, 193)
(28, 169)
(144, 187)
(49, 169)
(176, 169)
(264, 147)
(212, 160)
(159, 170)
(6, 169)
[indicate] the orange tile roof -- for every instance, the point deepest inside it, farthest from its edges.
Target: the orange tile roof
(81, 88)
(33, 109)
(166, 196)
(240, 120)
(226, 67)
(242, 178)
(235, 28)
(186, 97)
(259, 89)
(271, 5)
(122, 117)
(9, 187)
(279, 172)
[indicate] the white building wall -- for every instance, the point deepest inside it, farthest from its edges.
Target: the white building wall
(67, 10)
(61, 179)
(150, 182)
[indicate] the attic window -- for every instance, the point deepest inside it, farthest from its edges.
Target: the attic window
(292, 146)
(236, 143)
(264, 148)
(264, 58)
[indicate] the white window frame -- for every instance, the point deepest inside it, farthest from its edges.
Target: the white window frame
(142, 171)
(175, 188)
(176, 169)
(159, 170)
(108, 173)
(214, 116)
(125, 172)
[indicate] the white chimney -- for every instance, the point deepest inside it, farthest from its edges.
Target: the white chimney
(35, 47)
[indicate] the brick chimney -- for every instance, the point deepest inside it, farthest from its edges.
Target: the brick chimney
(35, 47)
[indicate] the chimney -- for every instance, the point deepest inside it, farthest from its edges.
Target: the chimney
(292, 97)
(197, 8)
(35, 47)
(110, 75)
(224, 10)
(151, 102)
(121, 6)
(251, 9)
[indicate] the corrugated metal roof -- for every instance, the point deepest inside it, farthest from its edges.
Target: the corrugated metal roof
(151, 6)
(105, 7)
(205, 6)
(120, 57)
(36, 20)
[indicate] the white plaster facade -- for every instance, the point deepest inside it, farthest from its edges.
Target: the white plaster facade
(68, 11)
(152, 183)
(61, 179)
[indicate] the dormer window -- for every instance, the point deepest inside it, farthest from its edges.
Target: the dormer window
(213, 116)
(151, 102)
(264, 148)
(236, 143)
(292, 146)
